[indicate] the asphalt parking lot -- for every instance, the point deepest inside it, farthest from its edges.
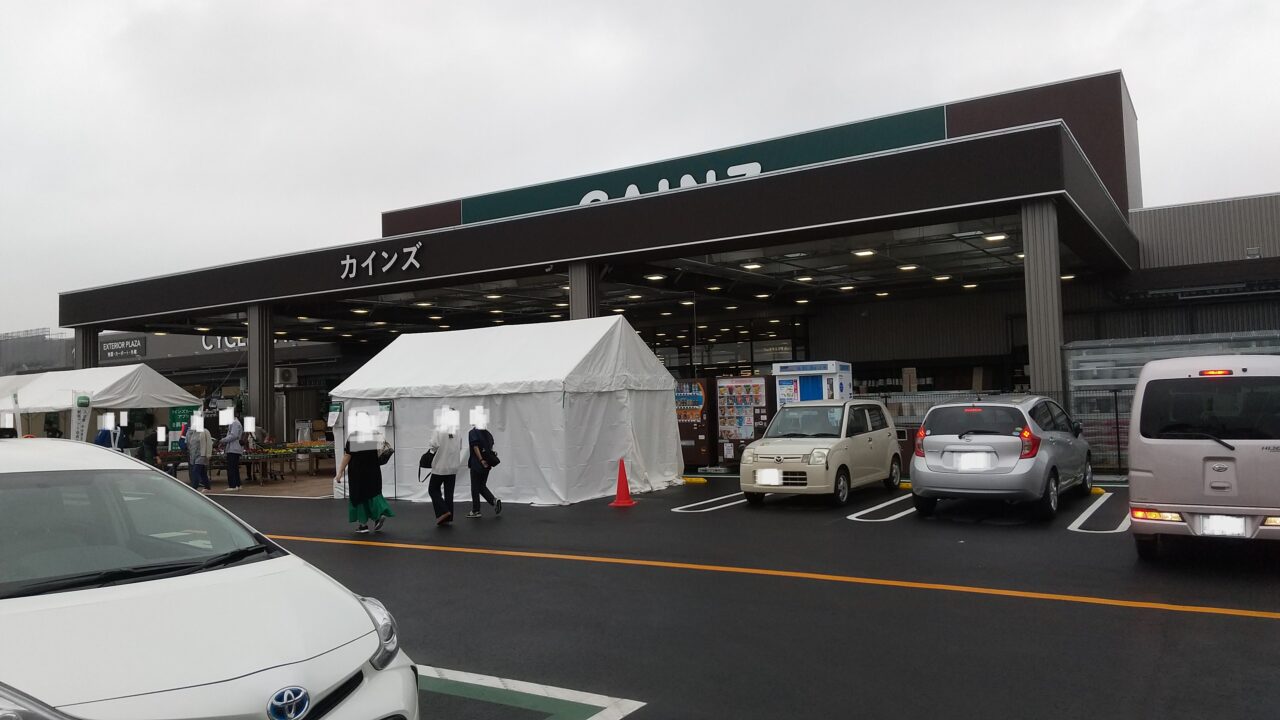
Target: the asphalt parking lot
(697, 606)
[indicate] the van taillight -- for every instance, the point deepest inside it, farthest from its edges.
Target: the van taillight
(1215, 373)
(1030, 444)
(920, 442)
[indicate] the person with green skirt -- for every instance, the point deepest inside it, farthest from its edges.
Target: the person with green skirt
(364, 486)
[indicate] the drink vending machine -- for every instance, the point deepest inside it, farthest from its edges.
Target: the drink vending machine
(797, 381)
(695, 418)
(744, 406)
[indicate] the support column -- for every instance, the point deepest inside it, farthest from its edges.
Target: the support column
(86, 348)
(261, 365)
(584, 290)
(1043, 282)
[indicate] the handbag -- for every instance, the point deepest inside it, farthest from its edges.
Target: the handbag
(385, 453)
(425, 461)
(490, 457)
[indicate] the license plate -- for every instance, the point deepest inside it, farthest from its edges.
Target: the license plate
(769, 477)
(973, 461)
(1222, 526)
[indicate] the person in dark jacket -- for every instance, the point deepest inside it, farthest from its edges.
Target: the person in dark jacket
(480, 442)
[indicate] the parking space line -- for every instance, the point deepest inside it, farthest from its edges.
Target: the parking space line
(685, 508)
(564, 704)
(858, 516)
(1089, 511)
(798, 575)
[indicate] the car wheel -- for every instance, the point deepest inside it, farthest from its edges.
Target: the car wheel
(1086, 482)
(924, 506)
(894, 481)
(1047, 505)
(840, 493)
(754, 499)
(1149, 547)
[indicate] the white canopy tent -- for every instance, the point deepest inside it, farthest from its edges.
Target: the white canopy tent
(566, 401)
(122, 387)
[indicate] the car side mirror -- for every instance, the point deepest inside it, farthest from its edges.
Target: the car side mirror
(1076, 428)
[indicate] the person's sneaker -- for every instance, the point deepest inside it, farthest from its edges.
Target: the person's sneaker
(377, 525)
(362, 529)
(473, 514)
(234, 489)
(497, 506)
(447, 517)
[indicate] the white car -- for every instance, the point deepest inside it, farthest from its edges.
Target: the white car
(126, 595)
(823, 447)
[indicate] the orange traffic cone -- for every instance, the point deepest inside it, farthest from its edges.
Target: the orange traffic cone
(623, 497)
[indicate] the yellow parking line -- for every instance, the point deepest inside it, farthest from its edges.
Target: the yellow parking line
(851, 579)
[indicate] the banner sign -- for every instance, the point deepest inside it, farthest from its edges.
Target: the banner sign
(130, 347)
(81, 411)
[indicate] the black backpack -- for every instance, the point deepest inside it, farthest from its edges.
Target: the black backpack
(425, 462)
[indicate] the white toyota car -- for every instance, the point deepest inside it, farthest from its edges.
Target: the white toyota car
(125, 595)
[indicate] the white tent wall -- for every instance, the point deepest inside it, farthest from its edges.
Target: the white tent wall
(631, 425)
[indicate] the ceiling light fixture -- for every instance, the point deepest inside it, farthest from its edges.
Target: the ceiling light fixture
(882, 294)
(160, 334)
(730, 307)
(423, 304)
(203, 329)
(327, 327)
(493, 297)
(802, 301)
(380, 323)
(619, 309)
(804, 278)
(443, 327)
(281, 332)
(761, 296)
(686, 302)
(775, 321)
(940, 278)
(713, 288)
(346, 334)
(434, 317)
(908, 267)
(970, 286)
(655, 277)
(846, 287)
(303, 317)
(995, 237)
(633, 297)
(665, 314)
(1021, 256)
(751, 266)
(360, 311)
(1068, 277)
(496, 312)
(562, 304)
(557, 316)
(564, 287)
(864, 253)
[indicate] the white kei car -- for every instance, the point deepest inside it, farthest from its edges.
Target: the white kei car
(125, 595)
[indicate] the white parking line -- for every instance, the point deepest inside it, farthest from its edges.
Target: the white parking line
(1089, 511)
(858, 516)
(685, 508)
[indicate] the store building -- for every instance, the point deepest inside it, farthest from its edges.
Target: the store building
(966, 242)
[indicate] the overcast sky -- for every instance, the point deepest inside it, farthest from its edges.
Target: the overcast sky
(141, 138)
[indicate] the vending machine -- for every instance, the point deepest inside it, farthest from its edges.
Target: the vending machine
(744, 408)
(695, 416)
(798, 381)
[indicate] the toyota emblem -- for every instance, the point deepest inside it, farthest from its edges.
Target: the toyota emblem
(1220, 467)
(291, 703)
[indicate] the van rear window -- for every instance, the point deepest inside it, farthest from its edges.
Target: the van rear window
(1228, 408)
(979, 419)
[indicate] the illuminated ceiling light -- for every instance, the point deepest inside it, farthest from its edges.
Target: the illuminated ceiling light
(743, 332)
(493, 297)
(665, 314)
(846, 288)
(499, 321)
(562, 304)
(435, 317)
(655, 277)
(346, 334)
(423, 304)
(203, 329)
(775, 321)
(1021, 256)
(160, 334)
(908, 267)
(802, 301)
(304, 339)
(496, 312)
(882, 294)
(281, 332)
(970, 286)
(303, 317)
(557, 316)
(686, 302)
(364, 341)
(681, 337)
(730, 307)
(393, 332)
(711, 340)
(804, 278)
(794, 255)
(761, 296)
(702, 327)
(443, 327)
(1068, 277)
(633, 297)
(360, 311)
(619, 309)
(244, 322)
(940, 278)
(967, 233)
(995, 237)
(864, 253)
(564, 287)
(751, 266)
(380, 323)
(661, 334)
(724, 329)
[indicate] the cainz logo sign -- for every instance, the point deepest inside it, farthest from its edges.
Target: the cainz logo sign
(686, 180)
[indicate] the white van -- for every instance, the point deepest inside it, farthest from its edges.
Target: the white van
(1204, 450)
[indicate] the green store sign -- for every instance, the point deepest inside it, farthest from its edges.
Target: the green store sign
(836, 143)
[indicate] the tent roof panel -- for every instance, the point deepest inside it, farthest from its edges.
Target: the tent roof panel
(119, 387)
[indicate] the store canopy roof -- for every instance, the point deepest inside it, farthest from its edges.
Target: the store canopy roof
(594, 355)
(114, 388)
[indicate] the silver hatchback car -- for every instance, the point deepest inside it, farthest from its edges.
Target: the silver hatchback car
(1022, 449)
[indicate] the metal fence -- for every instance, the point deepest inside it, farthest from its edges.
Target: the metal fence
(1103, 413)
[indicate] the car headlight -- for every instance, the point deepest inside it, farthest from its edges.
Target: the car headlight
(748, 456)
(818, 456)
(17, 706)
(388, 635)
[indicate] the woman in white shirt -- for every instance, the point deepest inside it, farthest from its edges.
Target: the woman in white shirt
(449, 446)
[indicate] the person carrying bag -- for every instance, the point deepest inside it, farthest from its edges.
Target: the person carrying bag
(481, 459)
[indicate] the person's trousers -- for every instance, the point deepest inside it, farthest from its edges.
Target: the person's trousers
(441, 504)
(480, 487)
(233, 470)
(199, 473)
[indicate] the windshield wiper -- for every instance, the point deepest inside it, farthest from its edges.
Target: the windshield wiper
(979, 432)
(790, 435)
(102, 577)
(235, 556)
(1198, 434)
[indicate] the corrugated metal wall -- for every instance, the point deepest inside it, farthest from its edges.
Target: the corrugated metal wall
(1208, 232)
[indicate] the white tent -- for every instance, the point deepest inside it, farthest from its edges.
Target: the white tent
(123, 387)
(566, 401)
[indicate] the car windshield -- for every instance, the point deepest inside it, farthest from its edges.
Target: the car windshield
(974, 420)
(71, 529)
(821, 421)
(1226, 408)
